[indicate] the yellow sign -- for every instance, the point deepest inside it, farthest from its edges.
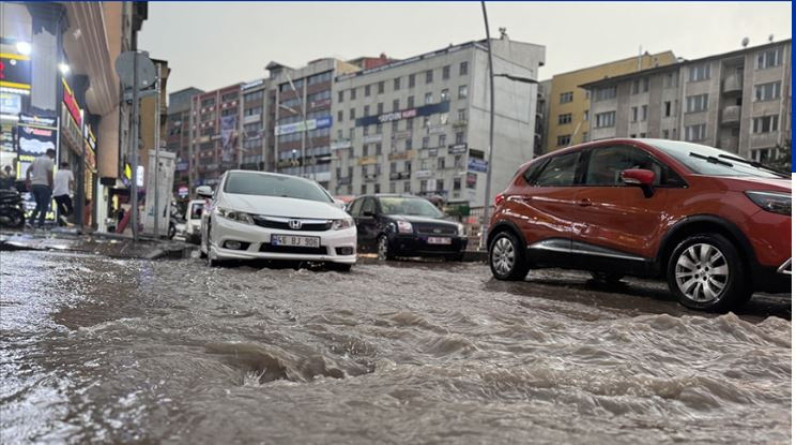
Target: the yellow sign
(368, 160)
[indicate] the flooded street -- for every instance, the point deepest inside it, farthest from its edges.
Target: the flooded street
(107, 350)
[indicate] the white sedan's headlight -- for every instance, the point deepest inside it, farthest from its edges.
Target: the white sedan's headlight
(233, 215)
(340, 224)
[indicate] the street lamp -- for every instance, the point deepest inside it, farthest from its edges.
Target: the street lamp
(24, 48)
(492, 75)
(63, 68)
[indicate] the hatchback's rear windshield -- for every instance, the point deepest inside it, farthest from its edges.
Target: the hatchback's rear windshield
(273, 185)
(711, 161)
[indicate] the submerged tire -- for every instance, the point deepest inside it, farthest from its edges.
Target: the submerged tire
(507, 257)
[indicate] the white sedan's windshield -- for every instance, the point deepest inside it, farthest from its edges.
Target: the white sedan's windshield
(243, 183)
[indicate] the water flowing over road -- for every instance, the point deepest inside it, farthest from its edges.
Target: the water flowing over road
(99, 349)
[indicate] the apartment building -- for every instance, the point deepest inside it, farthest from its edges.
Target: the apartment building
(738, 101)
(421, 125)
(176, 135)
(568, 120)
(254, 138)
(215, 134)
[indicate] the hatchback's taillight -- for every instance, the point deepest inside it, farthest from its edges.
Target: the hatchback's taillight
(499, 199)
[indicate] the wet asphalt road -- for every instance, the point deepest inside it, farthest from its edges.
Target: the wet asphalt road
(108, 350)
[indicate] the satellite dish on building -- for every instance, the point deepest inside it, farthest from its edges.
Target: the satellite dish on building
(745, 42)
(771, 37)
(146, 69)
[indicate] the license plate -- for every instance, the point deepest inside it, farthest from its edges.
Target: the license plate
(295, 241)
(437, 240)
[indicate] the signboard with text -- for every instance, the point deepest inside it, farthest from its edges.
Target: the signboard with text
(477, 165)
(15, 73)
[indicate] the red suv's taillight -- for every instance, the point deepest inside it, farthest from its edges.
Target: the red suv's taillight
(499, 199)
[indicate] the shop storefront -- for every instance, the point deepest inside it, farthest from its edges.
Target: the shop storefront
(90, 176)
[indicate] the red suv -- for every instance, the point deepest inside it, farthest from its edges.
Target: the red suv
(715, 226)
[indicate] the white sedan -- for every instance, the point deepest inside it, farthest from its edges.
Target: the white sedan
(258, 215)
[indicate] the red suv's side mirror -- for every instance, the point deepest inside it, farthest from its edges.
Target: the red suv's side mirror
(640, 177)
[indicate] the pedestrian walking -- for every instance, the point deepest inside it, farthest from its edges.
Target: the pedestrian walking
(64, 185)
(7, 178)
(39, 178)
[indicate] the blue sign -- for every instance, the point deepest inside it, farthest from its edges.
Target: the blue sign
(477, 165)
(425, 110)
(182, 166)
(323, 122)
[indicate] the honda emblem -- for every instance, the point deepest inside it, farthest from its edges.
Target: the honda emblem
(294, 224)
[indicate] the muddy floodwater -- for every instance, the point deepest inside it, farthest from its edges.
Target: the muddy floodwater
(102, 350)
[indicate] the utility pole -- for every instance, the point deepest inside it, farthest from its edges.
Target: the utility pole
(134, 148)
(156, 171)
(485, 220)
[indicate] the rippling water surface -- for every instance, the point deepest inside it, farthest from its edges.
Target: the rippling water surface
(126, 351)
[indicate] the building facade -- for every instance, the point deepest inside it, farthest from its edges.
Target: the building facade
(299, 104)
(421, 125)
(176, 134)
(738, 101)
(568, 120)
(215, 123)
(254, 138)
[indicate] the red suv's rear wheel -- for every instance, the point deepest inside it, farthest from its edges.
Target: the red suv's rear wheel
(706, 272)
(507, 257)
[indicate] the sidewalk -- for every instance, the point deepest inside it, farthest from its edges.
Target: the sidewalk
(114, 246)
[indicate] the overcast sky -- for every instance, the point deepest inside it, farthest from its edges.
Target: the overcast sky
(212, 45)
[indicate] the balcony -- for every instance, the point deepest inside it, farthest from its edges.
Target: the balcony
(732, 84)
(731, 115)
(730, 144)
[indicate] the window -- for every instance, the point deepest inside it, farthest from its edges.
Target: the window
(585, 136)
(394, 126)
(396, 104)
(364, 153)
(411, 81)
(458, 161)
(671, 80)
(340, 96)
(645, 84)
(392, 187)
(410, 102)
(463, 92)
(767, 91)
(378, 149)
(666, 134)
(559, 171)
(564, 119)
(463, 69)
(460, 137)
(641, 85)
(563, 141)
(446, 72)
(364, 191)
(667, 109)
(426, 121)
(407, 166)
(380, 108)
(586, 116)
(440, 184)
(408, 144)
(429, 76)
(252, 97)
(442, 140)
(699, 72)
(769, 58)
(365, 130)
(636, 87)
(696, 104)
(604, 120)
(565, 98)
(396, 84)
(643, 113)
(407, 187)
(367, 90)
(642, 135)
(425, 141)
(340, 116)
(605, 93)
(606, 165)
(461, 115)
(429, 98)
(410, 123)
(380, 88)
(634, 113)
(393, 167)
(696, 132)
(440, 163)
(353, 93)
(457, 183)
(765, 124)
(444, 96)
(352, 114)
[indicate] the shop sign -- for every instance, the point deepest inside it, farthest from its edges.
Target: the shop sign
(372, 138)
(183, 191)
(402, 135)
(7, 138)
(436, 130)
(423, 174)
(71, 104)
(284, 163)
(251, 118)
(15, 73)
(425, 110)
(308, 125)
(338, 145)
(181, 166)
(477, 165)
(401, 155)
(91, 160)
(10, 103)
(37, 121)
(91, 148)
(368, 160)
(457, 149)
(71, 132)
(34, 142)
(320, 103)
(472, 180)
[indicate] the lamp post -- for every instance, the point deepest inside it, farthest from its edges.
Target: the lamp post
(492, 75)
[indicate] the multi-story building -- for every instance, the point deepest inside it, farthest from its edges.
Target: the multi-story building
(421, 125)
(253, 135)
(568, 119)
(542, 116)
(299, 117)
(215, 132)
(739, 101)
(177, 140)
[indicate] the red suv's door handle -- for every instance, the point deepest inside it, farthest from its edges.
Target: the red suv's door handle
(584, 202)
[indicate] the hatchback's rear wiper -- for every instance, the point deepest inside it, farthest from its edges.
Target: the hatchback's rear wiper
(711, 159)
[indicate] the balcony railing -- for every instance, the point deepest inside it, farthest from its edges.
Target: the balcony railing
(731, 114)
(733, 84)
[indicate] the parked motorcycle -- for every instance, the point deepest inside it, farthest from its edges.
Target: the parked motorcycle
(12, 210)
